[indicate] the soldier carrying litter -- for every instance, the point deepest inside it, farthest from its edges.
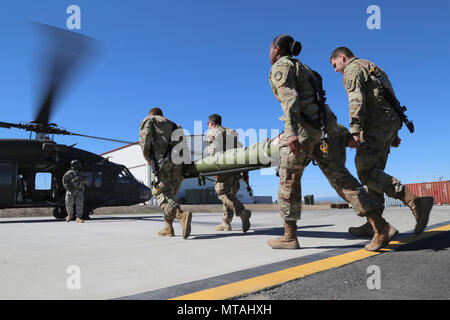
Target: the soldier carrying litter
(311, 136)
(74, 181)
(375, 119)
(221, 139)
(155, 138)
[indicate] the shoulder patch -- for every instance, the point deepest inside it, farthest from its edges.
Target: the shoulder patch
(278, 75)
(349, 84)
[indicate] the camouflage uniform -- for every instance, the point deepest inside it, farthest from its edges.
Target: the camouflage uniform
(155, 136)
(226, 186)
(290, 85)
(377, 123)
(74, 181)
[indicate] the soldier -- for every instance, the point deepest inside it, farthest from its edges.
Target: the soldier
(296, 86)
(156, 142)
(374, 125)
(227, 186)
(74, 181)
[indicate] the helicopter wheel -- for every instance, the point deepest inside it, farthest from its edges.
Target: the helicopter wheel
(59, 213)
(87, 214)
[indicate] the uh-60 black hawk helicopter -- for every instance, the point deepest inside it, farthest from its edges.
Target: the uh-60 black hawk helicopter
(23, 162)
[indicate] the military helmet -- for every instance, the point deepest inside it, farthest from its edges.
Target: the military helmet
(75, 164)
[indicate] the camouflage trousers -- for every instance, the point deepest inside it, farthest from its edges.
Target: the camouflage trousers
(333, 167)
(166, 194)
(371, 158)
(75, 199)
(226, 188)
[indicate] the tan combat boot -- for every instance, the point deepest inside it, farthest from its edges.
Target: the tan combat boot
(365, 230)
(168, 229)
(420, 207)
(224, 226)
(245, 218)
(384, 233)
(289, 240)
(69, 218)
(79, 220)
(185, 221)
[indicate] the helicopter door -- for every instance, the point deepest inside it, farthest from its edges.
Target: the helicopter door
(8, 184)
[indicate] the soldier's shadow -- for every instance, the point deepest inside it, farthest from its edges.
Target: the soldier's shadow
(279, 231)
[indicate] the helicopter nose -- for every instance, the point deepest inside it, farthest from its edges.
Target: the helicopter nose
(145, 193)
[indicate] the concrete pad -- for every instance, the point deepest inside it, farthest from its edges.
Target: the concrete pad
(122, 255)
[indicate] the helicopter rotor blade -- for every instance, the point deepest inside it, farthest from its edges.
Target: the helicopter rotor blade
(63, 58)
(99, 138)
(6, 125)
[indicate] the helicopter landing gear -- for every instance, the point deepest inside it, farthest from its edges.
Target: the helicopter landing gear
(59, 213)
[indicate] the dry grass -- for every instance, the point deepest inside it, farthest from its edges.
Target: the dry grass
(140, 209)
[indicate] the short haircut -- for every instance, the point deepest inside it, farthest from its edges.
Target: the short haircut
(216, 119)
(341, 50)
(155, 112)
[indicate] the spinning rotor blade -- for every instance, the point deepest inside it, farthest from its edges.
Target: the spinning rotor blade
(107, 139)
(63, 59)
(6, 125)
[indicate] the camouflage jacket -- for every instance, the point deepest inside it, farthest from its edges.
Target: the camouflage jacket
(290, 82)
(74, 181)
(221, 139)
(158, 134)
(367, 106)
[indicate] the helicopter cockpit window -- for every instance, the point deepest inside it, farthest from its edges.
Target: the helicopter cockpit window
(123, 177)
(5, 174)
(98, 179)
(89, 178)
(43, 181)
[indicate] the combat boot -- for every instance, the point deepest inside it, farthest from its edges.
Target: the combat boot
(79, 220)
(383, 233)
(224, 226)
(185, 221)
(365, 230)
(245, 218)
(420, 207)
(289, 240)
(69, 218)
(168, 229)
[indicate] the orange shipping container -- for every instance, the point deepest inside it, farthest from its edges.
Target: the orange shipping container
(440, 190)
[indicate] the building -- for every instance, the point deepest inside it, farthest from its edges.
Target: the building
(131, 157)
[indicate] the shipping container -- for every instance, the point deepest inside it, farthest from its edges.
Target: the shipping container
(391, 202)
(201, 196)
(439, 190)
(309, 199)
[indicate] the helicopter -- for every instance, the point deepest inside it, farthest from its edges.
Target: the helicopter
(26, 162)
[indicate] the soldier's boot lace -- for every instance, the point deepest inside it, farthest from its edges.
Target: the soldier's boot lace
(383, 233)
(289, 240)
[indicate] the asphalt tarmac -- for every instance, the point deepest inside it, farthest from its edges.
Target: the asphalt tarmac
(121, 257)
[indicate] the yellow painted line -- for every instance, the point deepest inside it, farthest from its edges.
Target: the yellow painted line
(276, 278)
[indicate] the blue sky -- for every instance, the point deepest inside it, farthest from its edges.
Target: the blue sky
(195, 58)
